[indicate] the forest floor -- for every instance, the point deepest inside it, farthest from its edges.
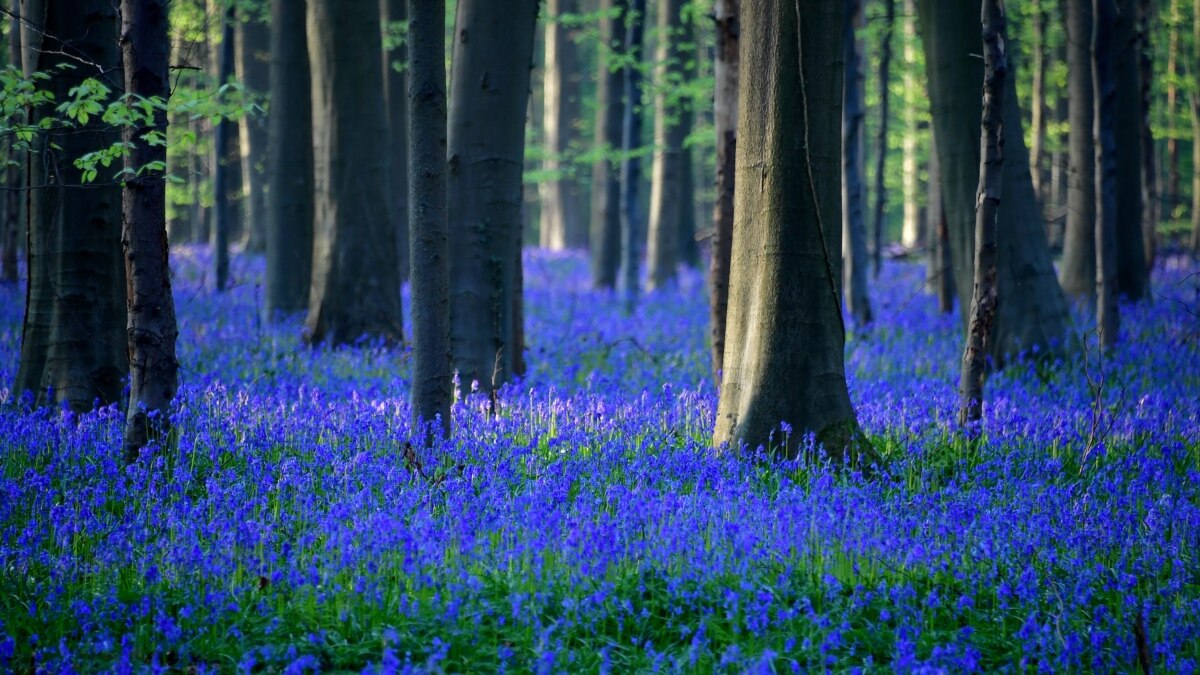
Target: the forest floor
(588, 526)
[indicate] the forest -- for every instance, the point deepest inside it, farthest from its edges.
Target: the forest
(432, 336)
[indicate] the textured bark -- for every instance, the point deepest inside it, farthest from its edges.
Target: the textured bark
(1133, 278)
(289, 163)
(725, 122)
(253, 38)
(493, 50)
(222, 208)
(151, 327)
(1149, 169)
(911, 233)
(1104, 87)
(356, 278)
(73, 341)
(941, 264)
(562, 223)
(1041, 20)
(432, 388)
(631, 166)
(785, 340)
(855, 256)
(666, 173)
(1033, 313)
(14, 197)
(881, 135)
(395, 93)
(987, 203)
(1078, 274)
(606, 182)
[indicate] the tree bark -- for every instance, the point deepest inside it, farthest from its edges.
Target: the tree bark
(356, 278)
(785, 338)
(691, 201)
(1149, 169)
(1171, 196)
(1041, 20)
(911, 234)
(73, 341)
(941, 264)
(151, 327)
(881, 135)
(666, 174)
(493, 50)
(855, 256)
(606, 182)
(987, 203)
(222, 209)
(1196, 132)
(252, 39)
(562, 223)
(14, 198)
(289, 163)
(395, 91)
(631, 166)
(1133, 277)
(725, 123)
(1078, 274)
(1104, 86)
(432, 389)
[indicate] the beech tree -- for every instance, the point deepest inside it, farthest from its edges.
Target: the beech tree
(395, 92)
(881, 134)
(854, 226)
(1133, 277)
(1078, 273)
(10, 226)
(725, 124)
(666, 173)
(631, 164)
(562, 222)
(252, 39)
(605, 237)
(221, 179)
(1104, 88)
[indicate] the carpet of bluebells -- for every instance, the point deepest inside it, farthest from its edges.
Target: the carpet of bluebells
(587, 526)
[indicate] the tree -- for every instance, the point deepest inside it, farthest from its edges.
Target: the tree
(431, 379)
(606, 183)
(987, 202)
(1104, 87)
(356, 278)
(725, 124)
(854, 227)
(289, 163)
(881, 135)
(940, 276)
(73, 340)
(631, 164)
(562, 223)
(395, 93)
(222, 209)
(913, 232)
(785, 339)
(666, 173)
(1196, 132)
(1037, 153)
(1133, 277)
(153, 370)
(1149, 171)
(493, 51)
(13, 199)
(1079, 242)
(1174, 21)
(252, 39)
(1033, 313)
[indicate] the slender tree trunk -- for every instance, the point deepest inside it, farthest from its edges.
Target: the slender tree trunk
(1079, 243)
(432, 388)
(910, 235)
(785, 375)
(1104, 85)
(881, 136)
(855, 256)
(631, 166)
(606, 183)
(222, 209)
(1171, 196)
(941, 264)
(725, 119)
(987, 203)
(289, 163)
(562, 224)
(1037, 153)
(73, 341)
(690, 200)
(392, 13)
(492, 55)
(1133, 277)
(1196, 132)
(252, 40)
(153, 369)
(1149, 171)
(14, 198)
(356, 278)
(666, 182)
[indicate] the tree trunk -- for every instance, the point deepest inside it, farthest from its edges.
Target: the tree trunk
(855, 256)
(725, 123)
(1196, 133)
(153, 370)
(606, 182)
(941, 265)
(666, 182)
(631, 166)
(911, 232)
(289, 163)
(881, 136)
(1079, 241)
(395, 91)
(73, 342)
(562, 224)
(1104, 86)
(1149, 170)
(786, 373)
(432, 389)
(491, 64)
(1033, 314)
(14, 197)
(1171, 196)
(690, 200)
(1133, 278)
(253, 39)
(222, 209)
(987, 203)
(356, 278)
(1041, 20)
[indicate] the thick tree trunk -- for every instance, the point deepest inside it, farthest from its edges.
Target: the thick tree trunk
(14, 198)
(253, 39)
(941, 265)
(725, 122)
(666, 174)
(881, 136)
(785, 375)
(606, 183)
(1078, 273)
(1041, 20)
(432, 388)
(855, 256)
(987, 203)
(356, 278)
(1133, 278)
(911, 235)
(1033, 312)
(153, 370)
(289, 163)
(73, 341)
(222, 208)
(392, 14)
(492, 55)
(562, 223)
(631, 166)
(1149, 169)
(1104, 86)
